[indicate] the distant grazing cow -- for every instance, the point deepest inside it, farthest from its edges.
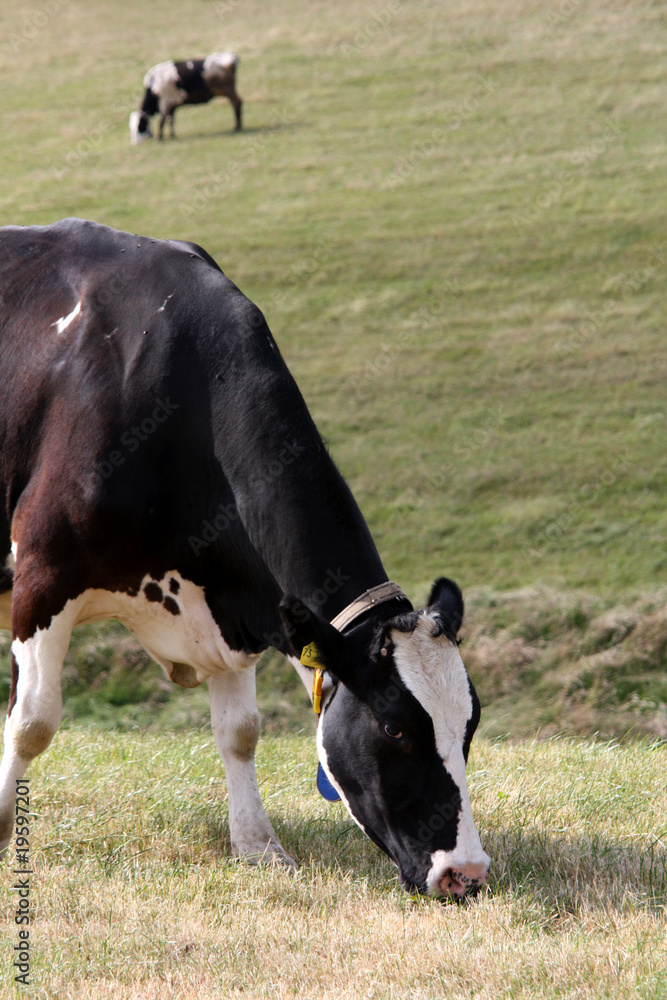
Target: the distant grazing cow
(195, 81)
(158, 465)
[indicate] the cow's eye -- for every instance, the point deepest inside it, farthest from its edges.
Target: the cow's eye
(392, 731)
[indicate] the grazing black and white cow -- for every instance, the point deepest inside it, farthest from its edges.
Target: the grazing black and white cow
(192, 81)
(158, 465)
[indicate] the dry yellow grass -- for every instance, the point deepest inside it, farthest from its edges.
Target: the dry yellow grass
(134, 895)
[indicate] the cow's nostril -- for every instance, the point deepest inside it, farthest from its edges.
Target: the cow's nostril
(457, 882)
(451, 885)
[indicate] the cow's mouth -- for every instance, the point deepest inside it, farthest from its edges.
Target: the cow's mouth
(455, 886)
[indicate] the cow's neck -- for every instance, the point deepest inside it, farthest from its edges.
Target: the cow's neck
(314, 540)
(300, 513)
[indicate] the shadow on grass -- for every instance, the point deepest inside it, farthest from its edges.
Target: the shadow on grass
(227, 133)
(550, 877)
(569, 874)
(332, 843)
(560, 875)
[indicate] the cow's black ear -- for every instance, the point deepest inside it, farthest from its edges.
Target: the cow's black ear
(302, 626)
(447, 601)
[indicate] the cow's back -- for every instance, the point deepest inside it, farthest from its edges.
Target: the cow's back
(111, 347)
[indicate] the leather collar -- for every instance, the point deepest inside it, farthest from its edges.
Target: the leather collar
(375, 595)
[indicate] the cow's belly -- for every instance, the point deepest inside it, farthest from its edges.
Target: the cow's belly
(173, 622)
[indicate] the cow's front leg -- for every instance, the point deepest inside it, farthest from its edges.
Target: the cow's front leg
(35, 715)
(235, 723)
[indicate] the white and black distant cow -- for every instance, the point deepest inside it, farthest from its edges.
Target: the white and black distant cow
(193, 81)
(158, 465)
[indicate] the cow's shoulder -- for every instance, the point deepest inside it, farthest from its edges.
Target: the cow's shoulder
(105, 309)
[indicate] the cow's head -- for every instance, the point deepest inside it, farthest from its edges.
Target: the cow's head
(140, 127)
(394, 735)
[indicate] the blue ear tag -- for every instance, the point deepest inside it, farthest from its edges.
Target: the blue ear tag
(324, 786)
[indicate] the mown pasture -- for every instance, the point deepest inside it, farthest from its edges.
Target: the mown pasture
(135, 896)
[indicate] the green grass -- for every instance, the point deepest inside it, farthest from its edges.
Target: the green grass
(455, 226)
(134, 894)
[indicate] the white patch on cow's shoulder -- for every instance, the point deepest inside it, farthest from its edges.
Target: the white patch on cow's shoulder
(220, 60)
(432, 670)
(164, 80)
(160, 76)
(176, 629)
(64, 321)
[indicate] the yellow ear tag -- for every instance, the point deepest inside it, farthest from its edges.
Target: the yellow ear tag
(310, 657)
(317, 690)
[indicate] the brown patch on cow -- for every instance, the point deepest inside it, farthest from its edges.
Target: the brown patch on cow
(174, 585)
(171, 606)
(32, 738)
(153, 592)
(184, 675)
(245, 738)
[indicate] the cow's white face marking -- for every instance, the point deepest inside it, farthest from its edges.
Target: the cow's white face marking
(135, 135)
(432, 670)
(64, 321)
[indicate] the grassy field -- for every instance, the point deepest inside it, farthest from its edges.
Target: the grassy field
(134, 896)
(453, 217)
(455, 225)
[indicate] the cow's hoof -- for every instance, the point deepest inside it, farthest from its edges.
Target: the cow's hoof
(271, 855)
